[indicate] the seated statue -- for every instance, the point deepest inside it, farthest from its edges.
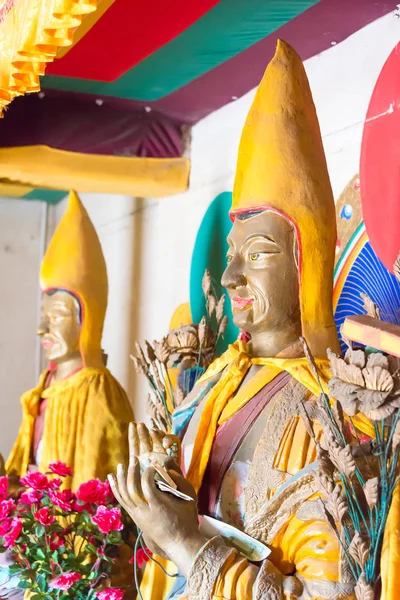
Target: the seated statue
(247, 456)
(78, 413)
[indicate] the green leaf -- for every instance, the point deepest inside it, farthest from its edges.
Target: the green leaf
(42, 583)
(39, 530)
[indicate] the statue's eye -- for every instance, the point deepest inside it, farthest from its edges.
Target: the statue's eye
(229, 259)
(254, 256)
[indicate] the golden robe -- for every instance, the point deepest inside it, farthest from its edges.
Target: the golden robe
(86, 424)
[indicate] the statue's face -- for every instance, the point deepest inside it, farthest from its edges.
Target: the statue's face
(59, 327)
(262, 277)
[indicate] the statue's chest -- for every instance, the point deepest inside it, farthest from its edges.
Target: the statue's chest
(253, 453)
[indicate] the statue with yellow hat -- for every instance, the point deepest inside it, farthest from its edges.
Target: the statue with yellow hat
(252, 524)
(78, 413)
(247, 455)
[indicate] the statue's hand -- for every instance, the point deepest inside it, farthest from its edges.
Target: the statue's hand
(169, 525)
(153, 444)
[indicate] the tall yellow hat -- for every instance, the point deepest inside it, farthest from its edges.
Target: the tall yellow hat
(282, 167)
(74, 262)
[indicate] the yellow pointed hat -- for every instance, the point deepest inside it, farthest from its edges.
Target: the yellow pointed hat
(282, 167)
(74, 262)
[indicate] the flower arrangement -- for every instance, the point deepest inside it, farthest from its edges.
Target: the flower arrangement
(191, 349)
(61, 544)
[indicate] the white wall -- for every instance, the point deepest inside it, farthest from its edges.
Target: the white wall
(148, 243)
(21, 229)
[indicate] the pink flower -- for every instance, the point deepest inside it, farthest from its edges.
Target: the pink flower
(142, 556)
(63, 500)
(36, 481)
(11, 537)
(80, 508)
(44, 517)
(108, 519)
(60, 468)
(6, 506)
(3, 487)
(56, 542)
(55, 484)
(64, 582)
(5, 526)
(94, 492)
(110, 594)
(31, 497)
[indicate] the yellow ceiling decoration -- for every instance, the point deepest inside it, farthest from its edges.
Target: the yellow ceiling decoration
(30, 167)
(31, 32)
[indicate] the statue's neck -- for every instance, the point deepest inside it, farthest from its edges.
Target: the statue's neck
(66, 369)
(285, 344)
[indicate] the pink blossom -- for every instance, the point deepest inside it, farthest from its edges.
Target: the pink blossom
(108, 519)
(44, 517)
(6, 506)
(63, 500)
(31, 497)
(80, 508)
(64, 582)
(36, 481)
(60, 468)
(5, 526)
(55, 484)
(110, 594)
(3, 487)
(56, 542)
(11, 537)
(94, 492)
(141, 556)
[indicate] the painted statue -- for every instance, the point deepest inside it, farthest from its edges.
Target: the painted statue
(78, 413)
(247, 457)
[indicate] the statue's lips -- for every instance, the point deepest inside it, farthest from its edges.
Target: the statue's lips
(47, 344)
(242, 303)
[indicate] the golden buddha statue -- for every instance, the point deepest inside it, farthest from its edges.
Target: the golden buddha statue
(248, 460)
(78, 413)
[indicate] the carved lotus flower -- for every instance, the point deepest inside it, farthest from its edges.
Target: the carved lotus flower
(184, 338)
(364, 384)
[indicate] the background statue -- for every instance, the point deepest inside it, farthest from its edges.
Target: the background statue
(78, 413)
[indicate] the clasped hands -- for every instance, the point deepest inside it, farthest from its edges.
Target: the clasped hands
(169, 525)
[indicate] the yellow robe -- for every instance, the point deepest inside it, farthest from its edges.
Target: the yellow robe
(86, 424)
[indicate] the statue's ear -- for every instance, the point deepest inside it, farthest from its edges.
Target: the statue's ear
(2, 466)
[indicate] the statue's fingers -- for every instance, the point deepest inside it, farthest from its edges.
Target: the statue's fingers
(133, 439)
(145, 442)
(134, 485)
(150, 490)
(114, 488)
(121, 481)
(172, 444)
(183, 484)
(157, 439)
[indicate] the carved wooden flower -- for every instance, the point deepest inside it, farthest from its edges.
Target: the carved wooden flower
(187, 342)
(183, 339)
(364, 383)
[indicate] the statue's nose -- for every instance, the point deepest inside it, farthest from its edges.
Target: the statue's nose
(42, 328)
(233, 276)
